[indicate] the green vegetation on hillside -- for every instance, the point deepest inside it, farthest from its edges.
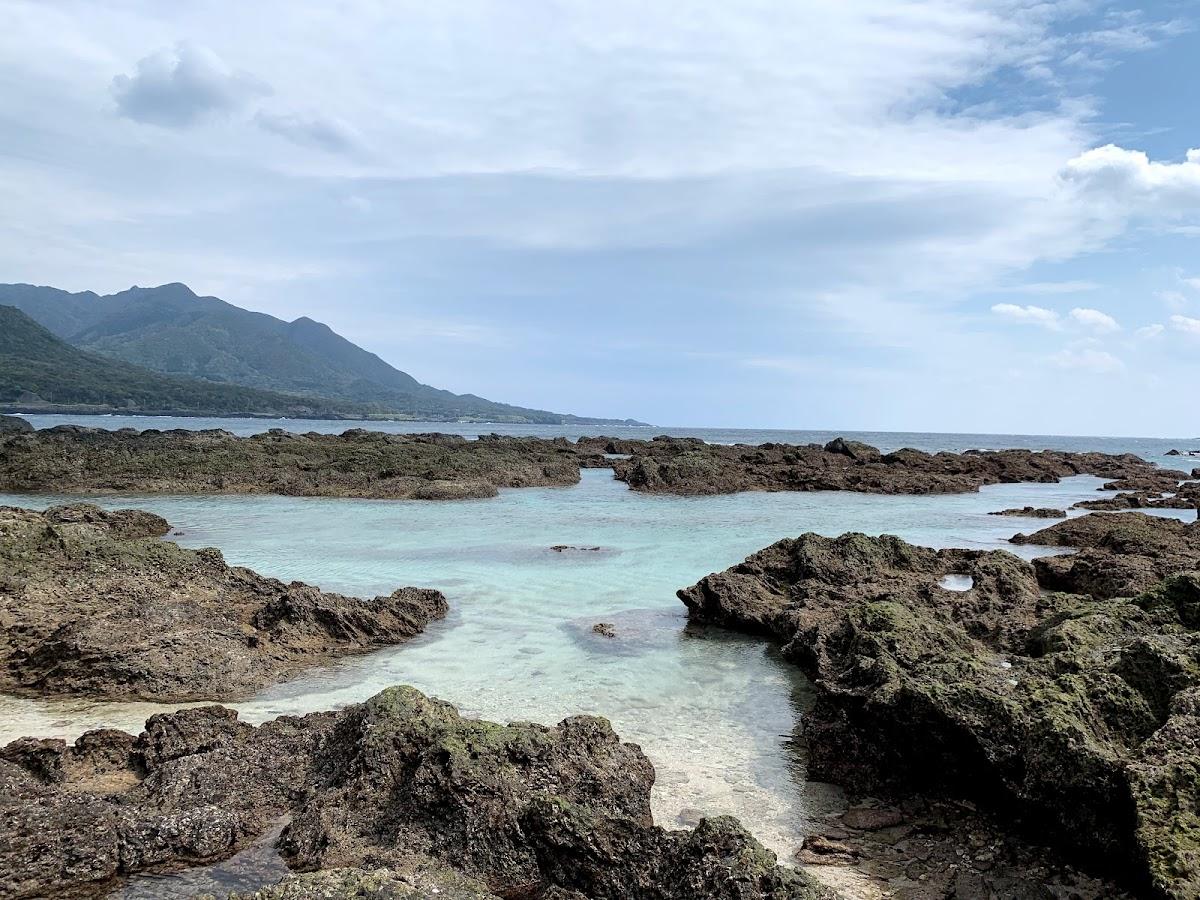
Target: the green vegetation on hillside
(170, 330)
(39, 371)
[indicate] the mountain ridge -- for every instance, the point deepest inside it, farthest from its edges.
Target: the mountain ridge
(40, 372)
(171, 330)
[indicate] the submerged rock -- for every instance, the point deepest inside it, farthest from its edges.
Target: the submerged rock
(392, 795)
(1032, 512)
(92, 604)
(1071, 715)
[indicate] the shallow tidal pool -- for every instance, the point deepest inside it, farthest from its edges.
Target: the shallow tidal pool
(715, 712)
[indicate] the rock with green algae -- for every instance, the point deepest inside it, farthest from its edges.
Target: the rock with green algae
(1073, 715)
(1120, 554)
(377, 884)
(92, 604)
(688, 466)
(76, 460)
(400, 783)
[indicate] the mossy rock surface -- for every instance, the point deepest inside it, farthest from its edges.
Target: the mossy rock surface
(93, 603)
(1072, 715)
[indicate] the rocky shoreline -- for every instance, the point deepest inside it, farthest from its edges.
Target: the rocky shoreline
(1072, 717)
(994, 727)
(398, 796)
(93, 604)
(367, 464)
(364, 464)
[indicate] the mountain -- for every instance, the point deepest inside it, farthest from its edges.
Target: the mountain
(171, 330)
(39, 372)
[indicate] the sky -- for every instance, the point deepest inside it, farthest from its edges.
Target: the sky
(934, 215)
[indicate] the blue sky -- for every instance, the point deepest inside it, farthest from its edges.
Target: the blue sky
(974, 215)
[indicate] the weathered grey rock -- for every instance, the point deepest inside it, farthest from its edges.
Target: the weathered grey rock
(1032, 512)
(358, 463)
(14, 425)
(687, 466)
(362, 463)
(92, 604)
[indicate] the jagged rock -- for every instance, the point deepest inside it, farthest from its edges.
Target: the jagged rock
(91, 604)
(856, 450)
(798, 590)
(1183, 496)
(392, 795)
(1120, 554)
(687, 466)
(604, 629)
(376, 884)
(363, 463)
(358, 463)
(1032, 512)
(1070, 714)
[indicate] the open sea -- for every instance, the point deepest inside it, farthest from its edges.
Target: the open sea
(715, 712)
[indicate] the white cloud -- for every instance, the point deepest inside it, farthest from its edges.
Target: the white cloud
(1129, 181)
(1053, 287)
(1193, 283)
(880, 151)
(181, 85)
(1094, 319)
(1087, 359)
(1172, 299)
(1034, 315)
(1186, 324)
(1150, 331)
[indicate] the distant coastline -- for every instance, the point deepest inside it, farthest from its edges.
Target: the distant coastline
(110, 411)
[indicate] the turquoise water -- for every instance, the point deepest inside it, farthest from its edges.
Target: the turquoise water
(714, 711)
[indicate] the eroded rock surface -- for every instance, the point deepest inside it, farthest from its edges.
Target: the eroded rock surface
(1120, 554)
(398, 796)
(360, 463)
(689, 466)
(92, 603)
(73, 459)
(1032, 512)
(1072, 716)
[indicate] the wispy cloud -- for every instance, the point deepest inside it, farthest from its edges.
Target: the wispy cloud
(1088, 359)
(1094, 319)
(1186, 324)
(1052, 287)
(1032, 315)
(312, 130)
(1150, 331)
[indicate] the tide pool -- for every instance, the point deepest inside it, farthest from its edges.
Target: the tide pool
(715, 712)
